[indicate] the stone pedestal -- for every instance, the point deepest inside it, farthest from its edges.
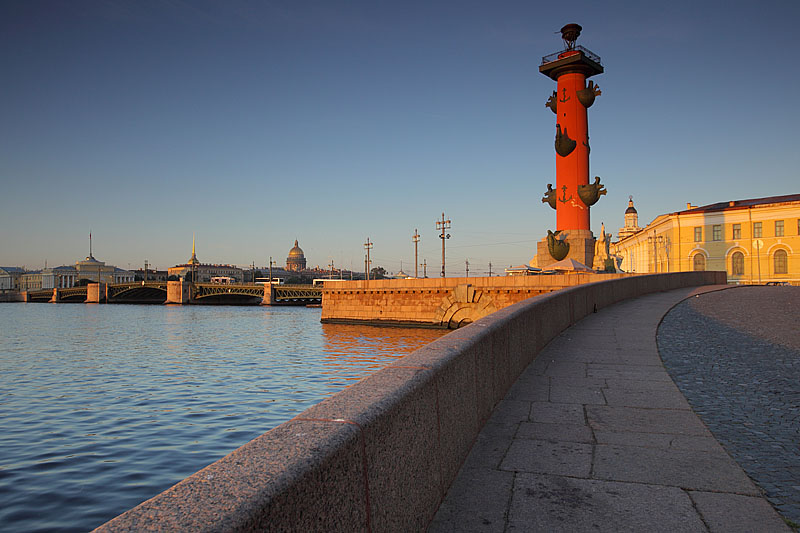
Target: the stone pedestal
(581, 248)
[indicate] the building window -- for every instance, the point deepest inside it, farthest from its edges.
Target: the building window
(699, 262)
(698, 234)
(781, 262)
(717, 232)
(737, 231)
(779, 228)
(737, 264)
(756, 230)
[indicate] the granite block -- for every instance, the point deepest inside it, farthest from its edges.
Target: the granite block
(680, 468)
(554, 503)
(544, 457)
(555, 432)
(634, 419)
(396, 410)
(733, 513)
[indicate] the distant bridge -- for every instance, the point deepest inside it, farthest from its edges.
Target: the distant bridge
(265, 294)
(139, 292)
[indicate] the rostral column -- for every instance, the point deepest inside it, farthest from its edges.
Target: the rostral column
(573, 194)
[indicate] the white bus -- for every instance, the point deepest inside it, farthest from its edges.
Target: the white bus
(264, 281)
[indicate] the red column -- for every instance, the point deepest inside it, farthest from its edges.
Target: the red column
(572, 170)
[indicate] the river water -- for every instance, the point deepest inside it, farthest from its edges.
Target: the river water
(105, 406)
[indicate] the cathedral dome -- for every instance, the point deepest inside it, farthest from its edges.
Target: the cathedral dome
(296, 251)
(297, 259)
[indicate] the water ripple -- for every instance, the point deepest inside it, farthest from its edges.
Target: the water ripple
(104, 406)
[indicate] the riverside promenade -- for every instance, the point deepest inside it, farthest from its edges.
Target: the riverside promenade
(596, 436)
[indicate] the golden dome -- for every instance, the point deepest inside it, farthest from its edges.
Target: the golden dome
(296, 251)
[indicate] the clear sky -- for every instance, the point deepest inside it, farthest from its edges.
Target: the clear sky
(251, 124)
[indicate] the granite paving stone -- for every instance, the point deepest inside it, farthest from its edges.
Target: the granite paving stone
(734, 513)
(687, 469)
(556, 503)
(546, 457)
(557, 413)
(578, 395)
(670, 399)
(555, 432)
(658, 440)
(510, 412)
(679, 422)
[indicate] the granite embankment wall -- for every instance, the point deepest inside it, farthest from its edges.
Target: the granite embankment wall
(438, 302)
(11, 296)
(381, 454)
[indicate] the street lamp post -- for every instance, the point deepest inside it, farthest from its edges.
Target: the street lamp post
(443, 225)
(270, 270)
(367, 262)
(415, 238)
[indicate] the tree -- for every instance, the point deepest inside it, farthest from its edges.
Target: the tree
(377, 273)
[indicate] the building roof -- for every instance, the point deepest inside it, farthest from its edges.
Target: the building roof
(742, 204)
(13, 269)
(630, 209)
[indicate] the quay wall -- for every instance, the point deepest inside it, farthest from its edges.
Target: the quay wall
(12, 296)
(381, 454)
(438, 302)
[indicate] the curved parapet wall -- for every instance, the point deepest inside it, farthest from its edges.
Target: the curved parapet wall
(381, 454)
(438, 302)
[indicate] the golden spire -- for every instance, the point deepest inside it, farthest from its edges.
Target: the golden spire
(193, 260)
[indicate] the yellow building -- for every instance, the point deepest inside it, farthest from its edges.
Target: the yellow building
(754, 241)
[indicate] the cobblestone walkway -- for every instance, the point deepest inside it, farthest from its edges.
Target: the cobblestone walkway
(735, 355)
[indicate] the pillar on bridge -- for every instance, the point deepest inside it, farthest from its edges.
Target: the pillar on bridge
(56, 296)
(269, 293)
(96, 293)
(573, 194)
(178, 292)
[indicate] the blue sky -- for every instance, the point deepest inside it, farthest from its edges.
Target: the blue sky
(252, 124)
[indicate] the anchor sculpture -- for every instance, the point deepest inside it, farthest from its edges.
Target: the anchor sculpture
(558, 248)
(564, 145)
(550, 196)
(591, 192)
